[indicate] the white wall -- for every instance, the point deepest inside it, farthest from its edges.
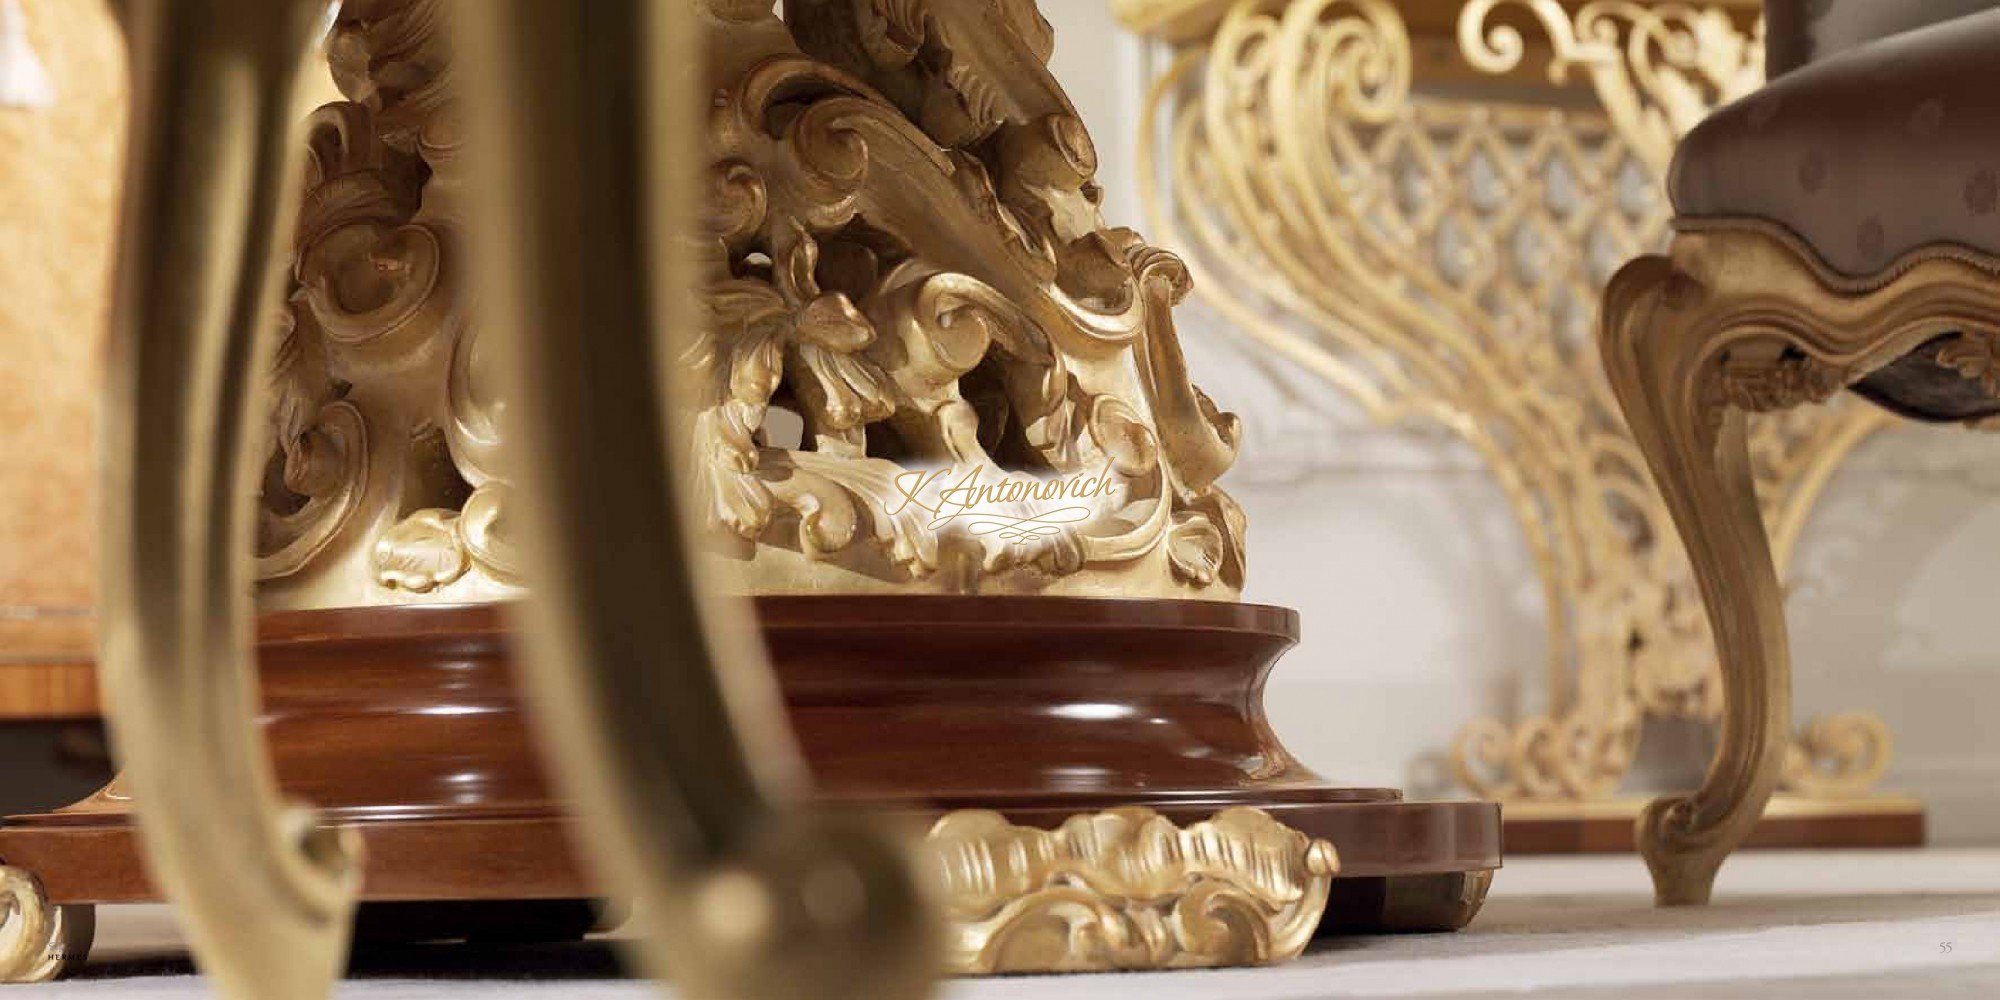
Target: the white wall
(1419, 605)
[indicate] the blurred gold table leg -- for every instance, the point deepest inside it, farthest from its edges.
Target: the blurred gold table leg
(264, 896)
(656, 705)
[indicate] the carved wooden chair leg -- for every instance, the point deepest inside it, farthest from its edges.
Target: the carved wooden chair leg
(1742, 318)
(265, 897)
(661, 718)
(1659, 360)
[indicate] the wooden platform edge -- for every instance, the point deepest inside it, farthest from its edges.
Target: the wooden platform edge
(1883, 821)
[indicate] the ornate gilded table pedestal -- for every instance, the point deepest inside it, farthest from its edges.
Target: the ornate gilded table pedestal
(1421, 201)
(944, 433)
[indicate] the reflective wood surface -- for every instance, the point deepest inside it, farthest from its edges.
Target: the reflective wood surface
(406, 724)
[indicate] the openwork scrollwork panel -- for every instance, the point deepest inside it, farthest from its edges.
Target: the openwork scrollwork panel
(1440, 260)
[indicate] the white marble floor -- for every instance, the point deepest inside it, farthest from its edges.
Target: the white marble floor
(1826, 926)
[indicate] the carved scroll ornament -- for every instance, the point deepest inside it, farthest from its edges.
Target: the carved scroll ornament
(1127, 889)
(907, 272)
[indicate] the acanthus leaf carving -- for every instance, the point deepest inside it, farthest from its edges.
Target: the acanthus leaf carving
(1976, 357)
(389, 481)
(906, 272)
(908, 230)
(1128, 889)
(421, 553)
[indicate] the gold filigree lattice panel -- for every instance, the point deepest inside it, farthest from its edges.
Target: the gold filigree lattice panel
(1440, 260)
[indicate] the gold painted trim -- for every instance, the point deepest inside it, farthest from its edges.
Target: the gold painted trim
(907, 270)
(1128, 890)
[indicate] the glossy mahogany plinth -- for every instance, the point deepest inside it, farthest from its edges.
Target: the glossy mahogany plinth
(405, 723)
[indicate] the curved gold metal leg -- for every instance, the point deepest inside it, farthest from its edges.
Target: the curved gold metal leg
(652, 698)
(264, 896)
(1741, 318)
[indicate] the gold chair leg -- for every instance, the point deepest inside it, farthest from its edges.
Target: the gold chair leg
(1739, 319)
(653, 699)
(264, 896)
(1700, 458)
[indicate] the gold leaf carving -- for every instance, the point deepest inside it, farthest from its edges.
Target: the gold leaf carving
(422, 553)
(1975, 357)
(1195, 546)
(1764, 386)
(384, 403)
(1127, 889)
(483, 530)
(911, 260)
(903, 253)
(1117, 429)
(320, 460)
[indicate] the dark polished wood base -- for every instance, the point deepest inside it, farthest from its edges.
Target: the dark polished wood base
(404, 724)
(1880, 821)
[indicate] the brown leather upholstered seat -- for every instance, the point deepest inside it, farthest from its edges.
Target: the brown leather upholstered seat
(1879, 149)
(1867, 155)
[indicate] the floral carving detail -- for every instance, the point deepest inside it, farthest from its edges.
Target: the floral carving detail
(319, 467)
(1658, 69)
(1974, 356)
(1791, 380)
(421, 553)
(1120, 433)
(1839, 756)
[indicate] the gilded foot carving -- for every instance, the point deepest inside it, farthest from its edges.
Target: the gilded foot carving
(1742, 318)
(39, 942)
(1126, 889)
